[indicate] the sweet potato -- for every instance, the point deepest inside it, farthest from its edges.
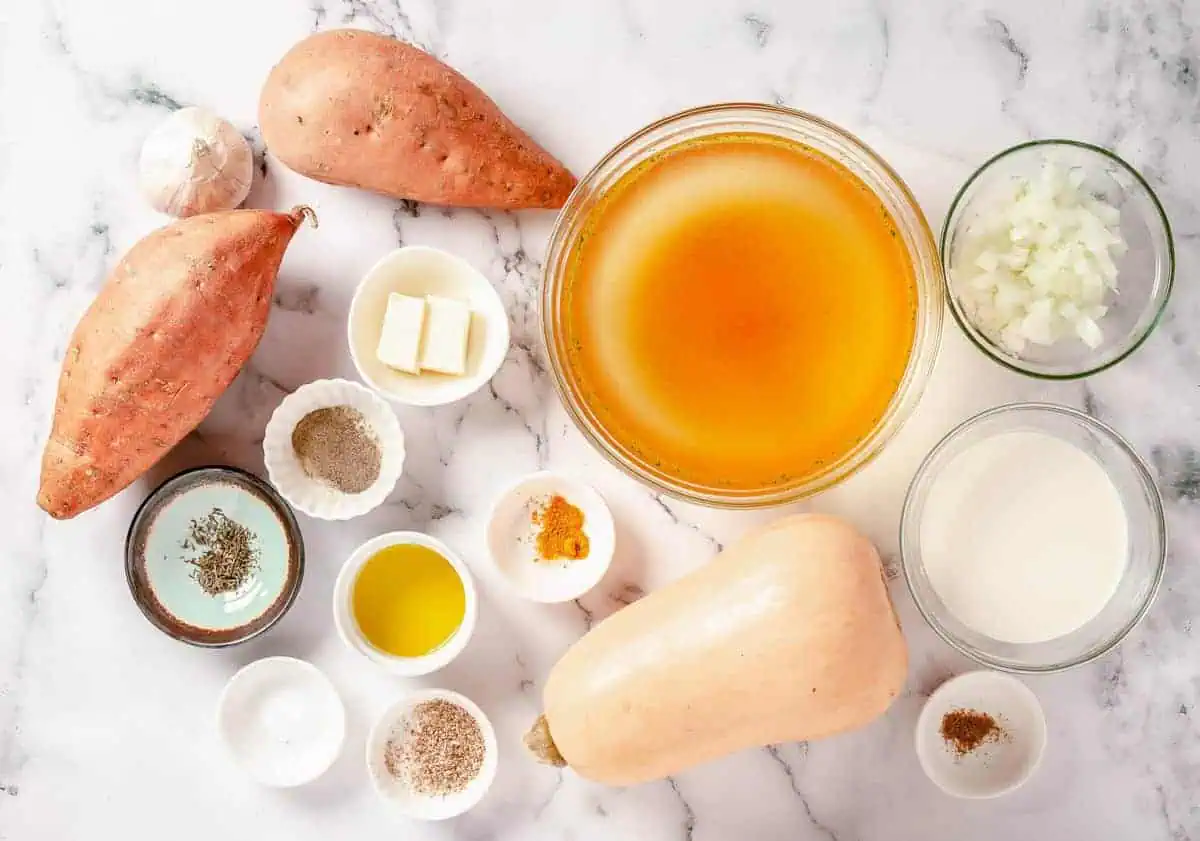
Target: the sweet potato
(172, 326)
(357, 109)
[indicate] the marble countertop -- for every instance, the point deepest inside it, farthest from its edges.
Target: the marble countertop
(106, 726)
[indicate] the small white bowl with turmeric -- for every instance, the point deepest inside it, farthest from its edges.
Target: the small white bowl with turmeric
(551, 537)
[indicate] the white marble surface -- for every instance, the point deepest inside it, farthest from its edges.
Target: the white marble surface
(106, 726)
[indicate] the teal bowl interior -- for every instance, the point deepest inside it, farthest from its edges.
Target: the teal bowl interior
(164, 583)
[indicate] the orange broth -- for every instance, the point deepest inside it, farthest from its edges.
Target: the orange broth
(739, 311)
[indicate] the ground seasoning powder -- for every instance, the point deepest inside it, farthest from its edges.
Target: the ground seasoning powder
(561, 534)
(965, 730)
(438, 750)
(227, 553)
(337, 446)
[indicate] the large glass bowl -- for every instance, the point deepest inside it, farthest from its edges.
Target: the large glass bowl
(1145, 272)
(1146, 550)
(773, 121)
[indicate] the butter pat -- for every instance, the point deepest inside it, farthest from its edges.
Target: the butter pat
(447, 331)
(400, 339)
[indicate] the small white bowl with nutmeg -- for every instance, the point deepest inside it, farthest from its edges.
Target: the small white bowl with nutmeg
(334, 449)
(432, 755)
(981, 735)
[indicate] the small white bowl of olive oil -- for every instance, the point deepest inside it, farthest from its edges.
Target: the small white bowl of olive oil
(405, 601)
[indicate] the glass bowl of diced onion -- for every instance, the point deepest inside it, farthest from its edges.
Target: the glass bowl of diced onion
(1058, 259)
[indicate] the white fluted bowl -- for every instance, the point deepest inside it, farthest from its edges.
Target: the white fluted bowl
(312, 496)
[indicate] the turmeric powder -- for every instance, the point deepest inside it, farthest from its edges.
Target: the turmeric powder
(561, 536)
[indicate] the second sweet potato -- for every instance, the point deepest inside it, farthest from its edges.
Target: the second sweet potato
(176, 320)
(358, 109)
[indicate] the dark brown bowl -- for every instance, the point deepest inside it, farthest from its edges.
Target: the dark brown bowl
(162, 581)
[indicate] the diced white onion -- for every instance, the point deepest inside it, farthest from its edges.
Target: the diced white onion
(1037, 267)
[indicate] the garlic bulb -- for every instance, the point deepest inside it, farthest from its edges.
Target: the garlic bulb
(195, 162)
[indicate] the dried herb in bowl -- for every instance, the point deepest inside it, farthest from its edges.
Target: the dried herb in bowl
(214, 556)
(228, 553)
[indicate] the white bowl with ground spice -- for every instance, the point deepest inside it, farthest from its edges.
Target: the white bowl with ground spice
(981, 735)
(551, 537)
(432, 755)
(334, 449)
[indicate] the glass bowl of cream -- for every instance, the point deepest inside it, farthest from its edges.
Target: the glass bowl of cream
(1033, 538)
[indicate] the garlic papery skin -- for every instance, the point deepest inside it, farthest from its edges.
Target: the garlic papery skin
(195, 162)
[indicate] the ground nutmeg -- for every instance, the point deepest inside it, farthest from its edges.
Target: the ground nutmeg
(965, 730)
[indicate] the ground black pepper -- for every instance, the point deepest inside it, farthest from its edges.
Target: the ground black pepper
(336, 445)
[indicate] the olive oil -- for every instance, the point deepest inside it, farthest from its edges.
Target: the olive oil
(739, 311)
(408, 600)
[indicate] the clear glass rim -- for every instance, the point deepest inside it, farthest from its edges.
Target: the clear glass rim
(927, 269)
(972, 333)
(1160, 524)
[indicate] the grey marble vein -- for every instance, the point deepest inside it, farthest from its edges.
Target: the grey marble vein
(759, 28)
(665, 507)
(1002, 35)
(689, 814)
(789, 772)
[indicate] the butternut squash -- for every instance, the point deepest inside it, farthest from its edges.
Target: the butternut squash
(174, 323)
(787, 635)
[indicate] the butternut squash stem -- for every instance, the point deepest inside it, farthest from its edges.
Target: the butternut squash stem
(301, 212)
(540, 743)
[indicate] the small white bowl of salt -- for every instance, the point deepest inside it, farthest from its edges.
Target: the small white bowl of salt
(281, 721)
(432, 755)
